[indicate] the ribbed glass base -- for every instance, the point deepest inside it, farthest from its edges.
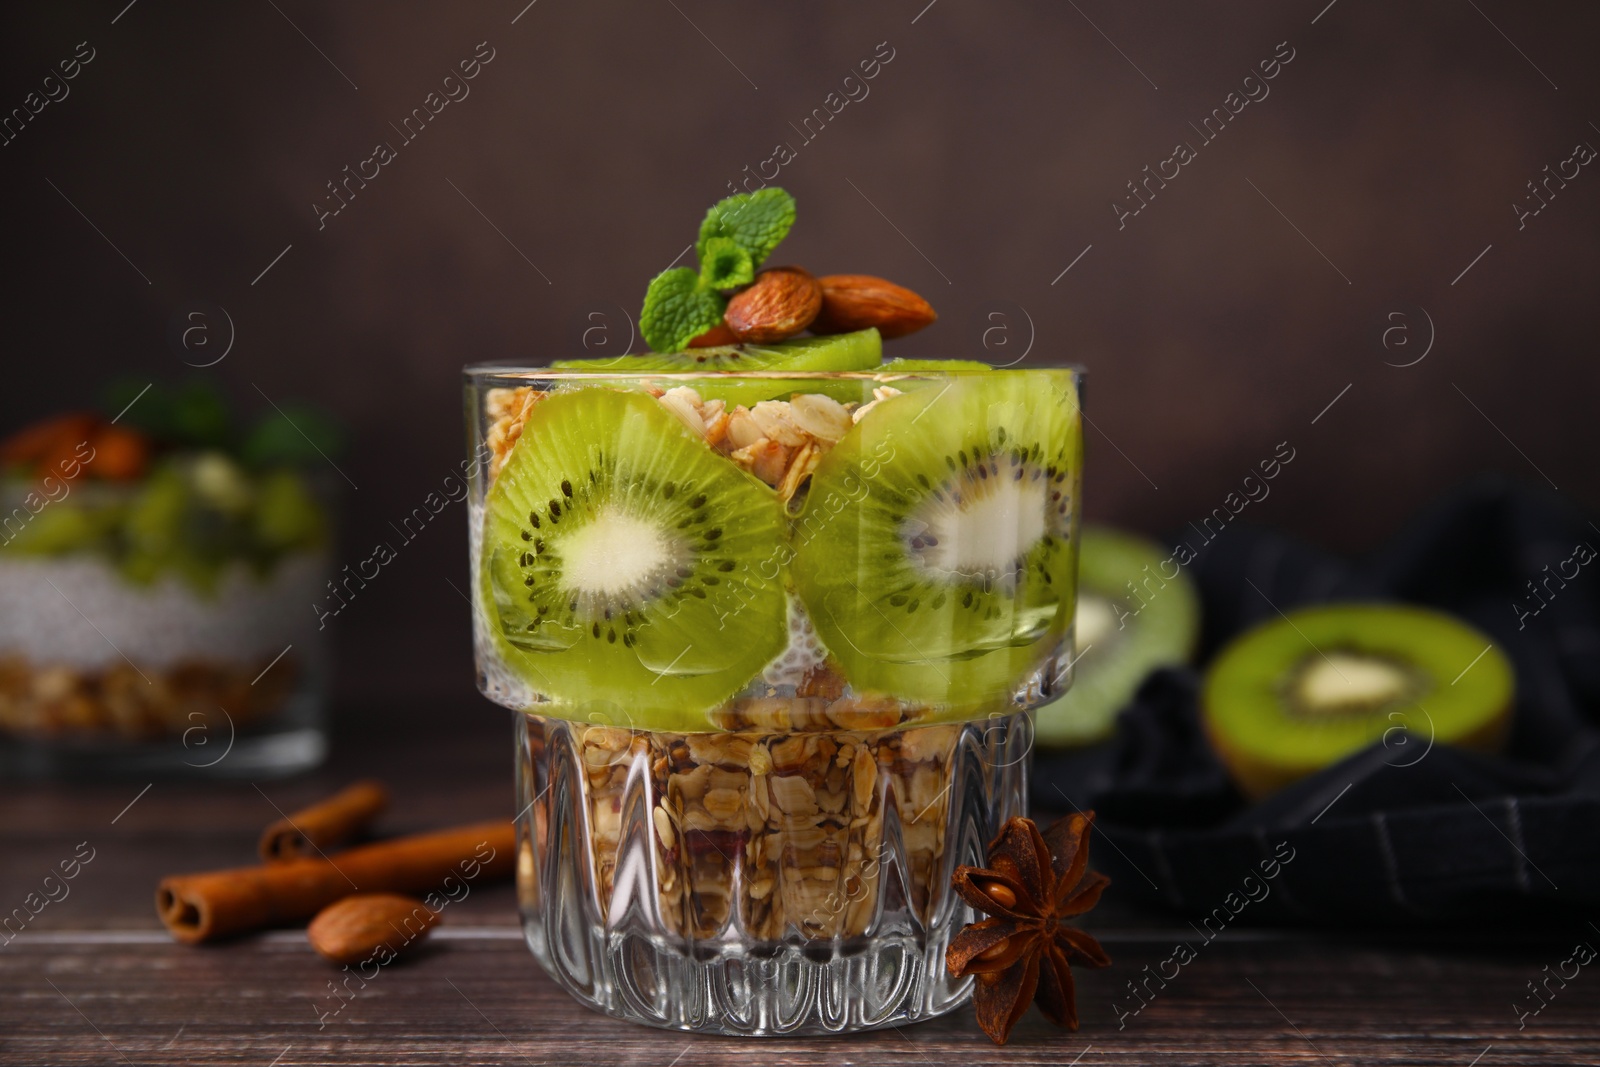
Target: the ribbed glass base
(758, 883)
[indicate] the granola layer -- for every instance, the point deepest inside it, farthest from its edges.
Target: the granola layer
(133, 703)
(779, 441)
(768, 832)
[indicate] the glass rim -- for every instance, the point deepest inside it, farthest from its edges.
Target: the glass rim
(479, 371)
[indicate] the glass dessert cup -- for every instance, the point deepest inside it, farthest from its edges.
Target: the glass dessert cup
(113, 664)
(751, 747)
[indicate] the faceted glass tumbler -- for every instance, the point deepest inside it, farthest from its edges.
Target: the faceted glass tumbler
(758, 883)
(763, 843)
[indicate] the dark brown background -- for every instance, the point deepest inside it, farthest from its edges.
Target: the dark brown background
(1396, 141)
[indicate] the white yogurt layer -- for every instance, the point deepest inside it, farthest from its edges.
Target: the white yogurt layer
(74, 610)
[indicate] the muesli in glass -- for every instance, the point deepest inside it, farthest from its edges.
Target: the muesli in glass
(771, 639)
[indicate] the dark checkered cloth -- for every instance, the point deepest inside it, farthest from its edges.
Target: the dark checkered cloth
(1401, 832)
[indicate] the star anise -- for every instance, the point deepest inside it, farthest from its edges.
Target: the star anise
(1032, 885)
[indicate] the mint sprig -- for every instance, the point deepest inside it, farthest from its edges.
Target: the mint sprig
(736, 236)
(725, 264)
(678, 307)
(754, 221)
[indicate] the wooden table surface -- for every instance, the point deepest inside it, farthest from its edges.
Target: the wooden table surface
(95, 979)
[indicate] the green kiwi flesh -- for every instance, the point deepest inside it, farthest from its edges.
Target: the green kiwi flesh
(1303, 691)
(935, 554)
(626, 566)
(901, 365)
(858, 351)
(1131, 619)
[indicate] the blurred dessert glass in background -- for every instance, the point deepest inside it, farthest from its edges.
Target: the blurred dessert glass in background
(158, 571)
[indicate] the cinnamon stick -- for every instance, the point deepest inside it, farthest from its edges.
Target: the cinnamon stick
(334, 821)
(216, 904)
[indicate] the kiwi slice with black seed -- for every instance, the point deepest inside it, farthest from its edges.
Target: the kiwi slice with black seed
(1303, 691)
(624, 562)
(935, 554)
(860, 350)
(1137, 611)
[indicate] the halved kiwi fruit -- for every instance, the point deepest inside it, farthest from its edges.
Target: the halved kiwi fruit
(861, 350)
(1137, 611)
(626, 563)
(935, 553)
(1301, 692)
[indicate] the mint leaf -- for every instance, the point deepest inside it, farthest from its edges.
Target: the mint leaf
(736, 235)
(725, 265)
(756, 222)
(678, 307)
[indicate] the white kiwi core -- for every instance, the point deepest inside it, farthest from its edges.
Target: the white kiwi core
(1342, 682)
(983, 530)
(1094, 622)
(617, 555)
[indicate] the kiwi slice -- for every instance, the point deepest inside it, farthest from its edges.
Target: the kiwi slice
(935, 553)
(625, 564)
(861, 350)
(1304, 691)
(901, 365)
(1131, 619)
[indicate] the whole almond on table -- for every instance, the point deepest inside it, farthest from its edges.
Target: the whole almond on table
(780, 303)
(856, 301)
(370, 925)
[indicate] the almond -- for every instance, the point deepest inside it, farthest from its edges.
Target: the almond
(370, 926)
(780, 303)
(717, 335)
(857, 301)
